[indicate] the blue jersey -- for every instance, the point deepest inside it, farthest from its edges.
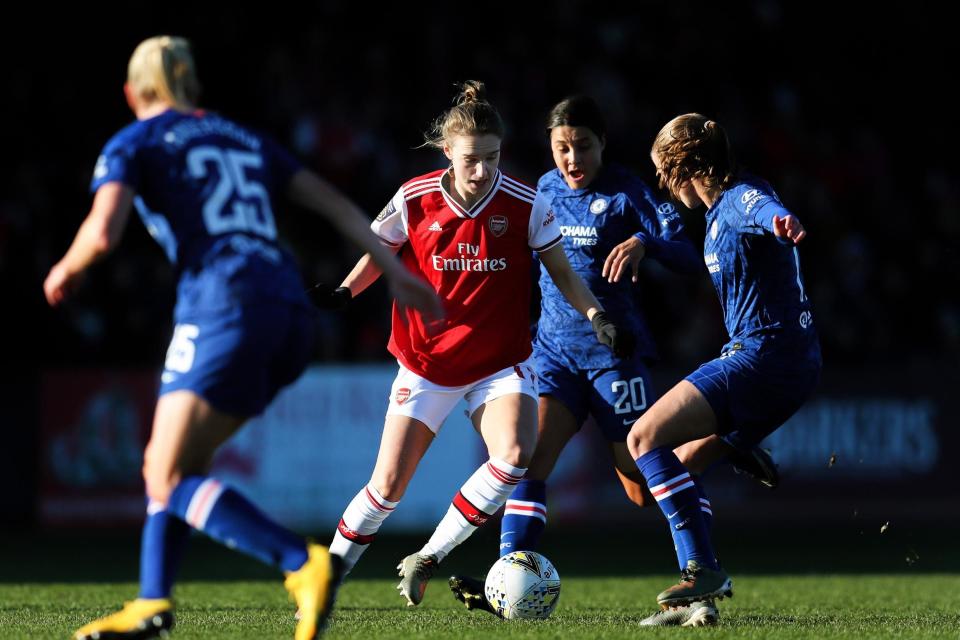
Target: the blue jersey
(203, 190)
(756, 275)
(593, 221)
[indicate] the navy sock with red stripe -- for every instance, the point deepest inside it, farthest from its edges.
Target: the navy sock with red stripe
(232, 520)
(706, 509)
(524, 517)
(677, 496)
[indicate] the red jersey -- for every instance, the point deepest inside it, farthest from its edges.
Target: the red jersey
(479, 262)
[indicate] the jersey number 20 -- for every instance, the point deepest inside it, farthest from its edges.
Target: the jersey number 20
(238, 203)
(633, 396)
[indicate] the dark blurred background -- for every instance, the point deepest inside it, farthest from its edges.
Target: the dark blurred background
(841, 108)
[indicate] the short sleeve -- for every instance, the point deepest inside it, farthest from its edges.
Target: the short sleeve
(544, 232)
(117, 163)
(391, 224)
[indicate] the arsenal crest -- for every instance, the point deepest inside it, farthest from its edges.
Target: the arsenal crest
(497, 225)
(402, 395)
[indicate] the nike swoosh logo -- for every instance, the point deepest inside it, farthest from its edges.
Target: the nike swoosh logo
(629, 421)
(504, 535)
(670, 517)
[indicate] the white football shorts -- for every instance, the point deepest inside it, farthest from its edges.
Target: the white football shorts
(418, 398)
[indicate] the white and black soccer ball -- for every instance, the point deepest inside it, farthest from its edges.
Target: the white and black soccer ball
(523, 585)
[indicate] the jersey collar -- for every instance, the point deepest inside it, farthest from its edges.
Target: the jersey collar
(478, 206)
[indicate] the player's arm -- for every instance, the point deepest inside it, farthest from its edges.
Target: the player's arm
(661, 237)
(364, 273)
(315, 193)
(99, 234)
(572, 287)
(788, 229)
(568, 282)
(770, 216)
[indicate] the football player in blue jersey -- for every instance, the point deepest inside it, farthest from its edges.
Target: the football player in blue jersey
(204, 187)
(611, 220)
(766, 371)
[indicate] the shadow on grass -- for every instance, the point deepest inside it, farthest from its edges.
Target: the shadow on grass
(111, 556)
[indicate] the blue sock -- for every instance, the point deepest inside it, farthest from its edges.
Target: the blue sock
(232, 520)
(524, 517)
(678, 547)
(706, 510)
(162, 544)
(678, 498)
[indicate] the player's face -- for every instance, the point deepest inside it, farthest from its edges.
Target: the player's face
(685, 193)
(577, 152)
(474, 160)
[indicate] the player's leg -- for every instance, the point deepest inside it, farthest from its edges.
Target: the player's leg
(415, 413)
(165, 532)
(186, 432)
(617, 398)
(562, 407)
(525, 514)
(503, 408)
(636, 487)
(681, 415)
(237, 361)
(224, 514)
(403, 444)
(749, 459)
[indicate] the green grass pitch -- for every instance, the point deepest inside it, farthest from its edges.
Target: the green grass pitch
(862, 586)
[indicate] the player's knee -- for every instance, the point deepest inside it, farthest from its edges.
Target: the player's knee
(160, 482)
(645, 435)
(517, 455)
(160, 488)
(638, 440)
(389, 485)
(688, 459)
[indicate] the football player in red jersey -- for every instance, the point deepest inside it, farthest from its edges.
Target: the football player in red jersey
(470, 231)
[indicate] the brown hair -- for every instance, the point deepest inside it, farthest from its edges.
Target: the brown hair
(470, 114)
(692, 146)
(161, 68)
(578, 111)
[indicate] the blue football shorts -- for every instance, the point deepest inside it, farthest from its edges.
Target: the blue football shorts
(238, 359)
(752, 395)
(616, 396)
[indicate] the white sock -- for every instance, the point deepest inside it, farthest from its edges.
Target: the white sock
(478, 499)
(359, 525)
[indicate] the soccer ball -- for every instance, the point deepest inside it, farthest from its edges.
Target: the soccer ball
(523, 585)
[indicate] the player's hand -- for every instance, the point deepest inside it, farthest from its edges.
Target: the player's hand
(325, 296)
(628, 253)
(60, 284)
(788, 228)
(622, 342)
(410, 291)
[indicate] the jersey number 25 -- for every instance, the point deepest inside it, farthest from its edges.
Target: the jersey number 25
(238, 203)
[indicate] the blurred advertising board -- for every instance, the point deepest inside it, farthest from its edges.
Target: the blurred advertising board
(856, 446)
